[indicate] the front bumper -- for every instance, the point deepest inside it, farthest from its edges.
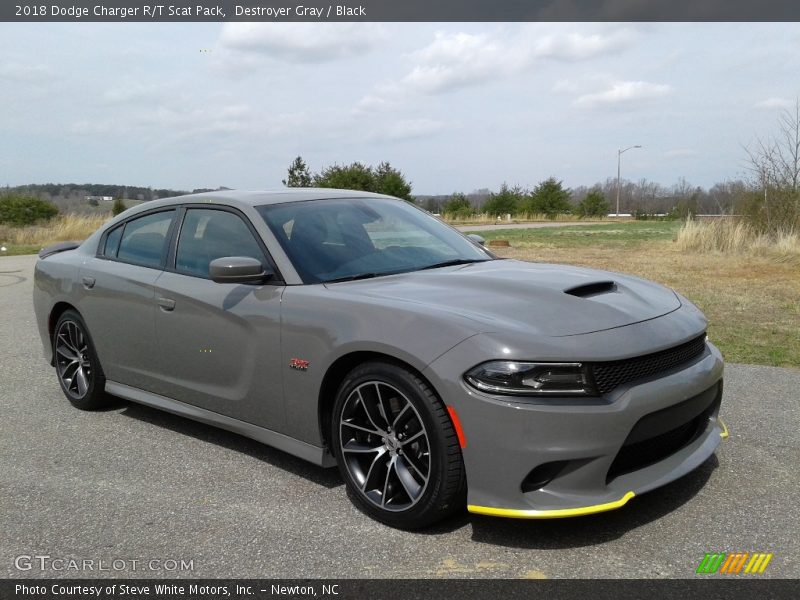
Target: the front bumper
(602, 454)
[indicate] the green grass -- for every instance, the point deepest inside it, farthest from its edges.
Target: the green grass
(17, 250)
(623, 234)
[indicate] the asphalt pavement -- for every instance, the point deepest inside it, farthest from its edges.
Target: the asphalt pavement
(135, 484)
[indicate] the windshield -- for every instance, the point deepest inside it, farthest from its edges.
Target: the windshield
(335, 240)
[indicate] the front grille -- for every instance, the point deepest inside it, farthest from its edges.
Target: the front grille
(663, 433)
(648, 452)
(609, 375)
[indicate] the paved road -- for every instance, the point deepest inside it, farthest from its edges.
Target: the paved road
(133, 483)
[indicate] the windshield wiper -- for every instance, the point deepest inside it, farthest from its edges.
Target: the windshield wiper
(370, 275)
(355, 277)
(454, 262)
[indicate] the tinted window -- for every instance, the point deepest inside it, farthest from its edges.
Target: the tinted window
(210, 234)
(337, 239)
(112, 241)
(143, 241)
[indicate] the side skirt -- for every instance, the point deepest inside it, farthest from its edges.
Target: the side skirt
(318, 456)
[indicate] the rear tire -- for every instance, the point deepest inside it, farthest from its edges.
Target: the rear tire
(396, 447)
(77, 366)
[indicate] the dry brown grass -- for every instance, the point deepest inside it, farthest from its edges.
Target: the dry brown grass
(735, 237)
(752, 301)
(62, 228)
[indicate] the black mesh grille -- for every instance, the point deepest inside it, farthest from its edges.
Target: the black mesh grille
(609, 375)
(645, 445)
(648, 452)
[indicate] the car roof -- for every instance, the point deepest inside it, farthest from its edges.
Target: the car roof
(242, 199)
(257, 198)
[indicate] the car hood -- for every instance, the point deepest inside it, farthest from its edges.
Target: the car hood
(553, 300)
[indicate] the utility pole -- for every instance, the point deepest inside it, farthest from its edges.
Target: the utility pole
(619, 163)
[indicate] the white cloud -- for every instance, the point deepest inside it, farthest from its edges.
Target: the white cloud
(455, 60)
(461, 59)
(624, 92)
(20, 72)
(301, 42)
(164, 124)
(409, 129)
(771, 103)
(582, 46)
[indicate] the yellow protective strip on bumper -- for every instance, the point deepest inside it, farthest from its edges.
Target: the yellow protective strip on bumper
(724, 433)
(557, 513)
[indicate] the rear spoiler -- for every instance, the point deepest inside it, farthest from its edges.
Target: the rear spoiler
(56, 248)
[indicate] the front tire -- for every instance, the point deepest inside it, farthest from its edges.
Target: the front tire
(396, 447)
(77, 367)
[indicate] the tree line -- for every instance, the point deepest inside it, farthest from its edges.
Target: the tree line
(383, 179)
(642, 199)
(54, 191)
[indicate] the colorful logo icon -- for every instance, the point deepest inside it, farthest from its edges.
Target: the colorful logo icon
(733, 563)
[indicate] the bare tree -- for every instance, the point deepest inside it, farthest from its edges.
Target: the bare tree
(787, 147)
(775, 165)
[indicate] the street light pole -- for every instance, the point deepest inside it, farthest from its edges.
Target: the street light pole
(619, 163)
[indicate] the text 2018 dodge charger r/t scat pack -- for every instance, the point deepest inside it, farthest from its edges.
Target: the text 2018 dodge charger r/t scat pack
(356, 330)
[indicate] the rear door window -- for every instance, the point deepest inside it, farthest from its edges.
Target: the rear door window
(112, 242)
(144, 239)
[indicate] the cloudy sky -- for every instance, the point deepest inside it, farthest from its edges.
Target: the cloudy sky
(454, 106)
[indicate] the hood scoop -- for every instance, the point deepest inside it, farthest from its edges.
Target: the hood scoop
(587, 290)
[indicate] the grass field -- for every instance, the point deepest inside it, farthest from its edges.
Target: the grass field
(486, 219)
(753, 302)
(63, 228)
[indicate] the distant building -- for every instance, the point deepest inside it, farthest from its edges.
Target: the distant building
(99, 198)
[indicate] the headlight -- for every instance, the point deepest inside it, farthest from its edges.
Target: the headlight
(531, 379)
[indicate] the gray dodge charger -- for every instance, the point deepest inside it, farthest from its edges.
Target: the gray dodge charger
(356, 330)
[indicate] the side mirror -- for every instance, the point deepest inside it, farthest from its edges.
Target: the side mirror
(238, 269)
(477, 239)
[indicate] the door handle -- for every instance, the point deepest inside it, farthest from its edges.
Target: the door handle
(166, 304)
(88, 282)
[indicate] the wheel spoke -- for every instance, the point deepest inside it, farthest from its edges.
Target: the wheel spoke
(421, 432)
(83, 384)
(356, 447)
(386, 483)
(64, 338)
(396, 422)
(384, 407)
(370, 415)
(375, 461)
(81, 341)
(407, 460)
(73, 337)
(67, 352)
(74, 365)
(407, 480)
(360, 428)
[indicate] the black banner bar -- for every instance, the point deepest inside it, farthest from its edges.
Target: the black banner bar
(706, 587)
(401, 10)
